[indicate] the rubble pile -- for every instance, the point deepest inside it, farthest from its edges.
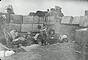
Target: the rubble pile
(54, 20)
(56, 51)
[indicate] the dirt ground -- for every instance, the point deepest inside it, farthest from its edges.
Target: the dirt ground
(63, 51)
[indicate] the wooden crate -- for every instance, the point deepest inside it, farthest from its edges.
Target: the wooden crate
(26, 27)
(27, 19)
(30, 27)
(41, 20)
(36, 19)
(17, 19)
(35, 27)
(12, 26)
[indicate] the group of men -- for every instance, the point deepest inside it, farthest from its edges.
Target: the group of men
(43, 37)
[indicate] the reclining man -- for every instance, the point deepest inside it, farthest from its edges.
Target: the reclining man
(16, 39)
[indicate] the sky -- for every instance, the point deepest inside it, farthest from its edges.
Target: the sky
(69, 7)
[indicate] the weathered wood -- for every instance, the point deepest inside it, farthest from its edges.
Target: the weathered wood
(17, 19)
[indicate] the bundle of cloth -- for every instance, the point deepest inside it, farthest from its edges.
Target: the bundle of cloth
(4, 51)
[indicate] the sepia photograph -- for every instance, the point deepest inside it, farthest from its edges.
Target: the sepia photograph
(43, 29)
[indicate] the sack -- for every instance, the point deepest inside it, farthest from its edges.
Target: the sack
(6, 53)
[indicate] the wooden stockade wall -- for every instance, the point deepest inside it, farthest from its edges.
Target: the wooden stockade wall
(61, 25)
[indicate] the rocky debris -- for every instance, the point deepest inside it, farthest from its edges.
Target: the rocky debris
(31, 47)
(60, 51)
(6, 53)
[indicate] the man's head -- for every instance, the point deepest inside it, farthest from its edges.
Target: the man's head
(39, 27)
(64, 38)
(52, 31)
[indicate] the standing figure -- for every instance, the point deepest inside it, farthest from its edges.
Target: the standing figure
(43, 36)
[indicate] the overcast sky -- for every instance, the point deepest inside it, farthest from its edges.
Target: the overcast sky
(69, 7)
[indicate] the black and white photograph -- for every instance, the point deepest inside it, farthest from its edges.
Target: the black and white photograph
(43, 29)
